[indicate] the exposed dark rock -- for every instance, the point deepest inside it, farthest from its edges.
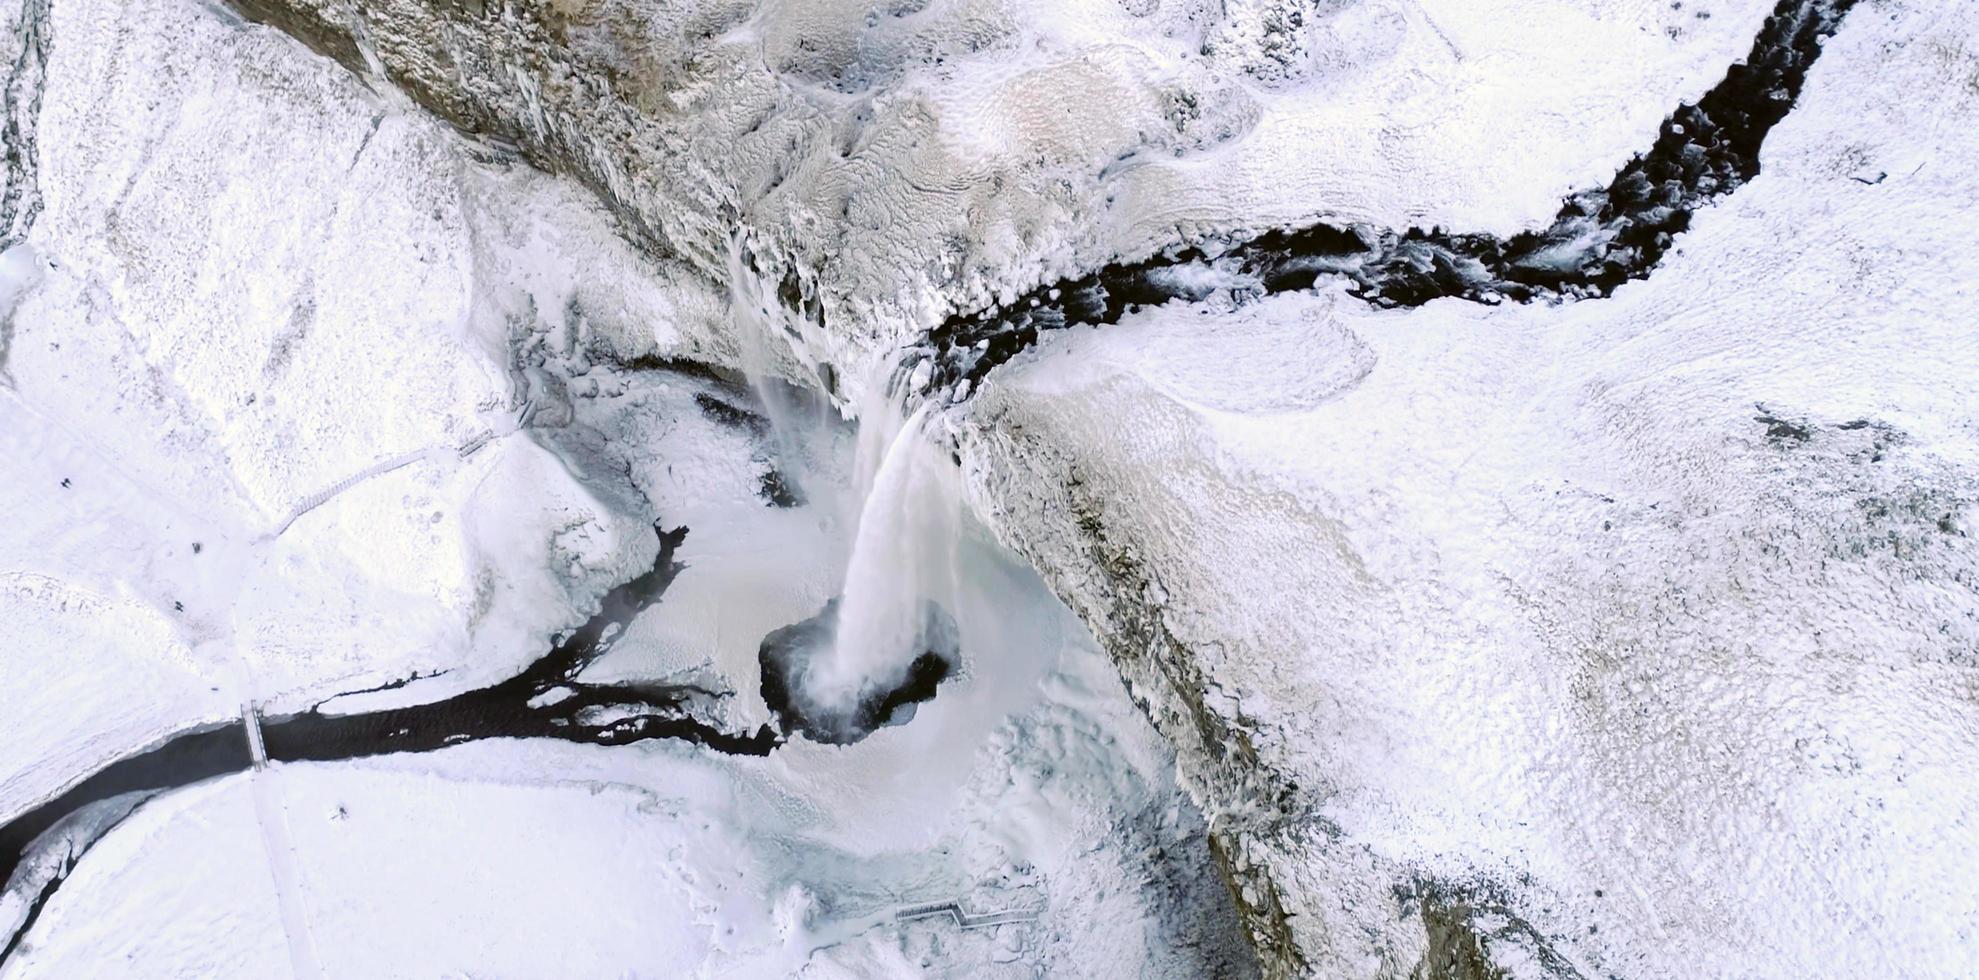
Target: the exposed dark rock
(774, 487)
(1855, 441)
(731, 415)
(1779, 430)
(1463, 927)
(788, 652)
(307, 24)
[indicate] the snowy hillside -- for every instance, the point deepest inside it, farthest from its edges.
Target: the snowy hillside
(1125, 488)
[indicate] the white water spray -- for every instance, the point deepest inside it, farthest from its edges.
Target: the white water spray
(904, 556)
(904, 510)
(761, 325)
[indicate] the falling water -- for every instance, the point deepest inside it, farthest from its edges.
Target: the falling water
(903, 558)
(761, 325)
(904, 511)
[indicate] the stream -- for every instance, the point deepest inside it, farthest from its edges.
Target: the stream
(1600, 239)
(545, 700)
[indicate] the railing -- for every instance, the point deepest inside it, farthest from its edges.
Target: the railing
(962, 916)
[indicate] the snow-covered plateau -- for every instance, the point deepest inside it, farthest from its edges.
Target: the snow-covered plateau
(1429, 489)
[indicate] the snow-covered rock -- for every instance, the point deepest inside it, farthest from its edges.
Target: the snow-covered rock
(1629, 637)
(308, 394)
(1642, 632)
(267, 322)
(891, 163)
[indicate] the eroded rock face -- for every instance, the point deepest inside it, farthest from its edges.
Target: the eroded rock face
(21, 79)
(887, 165)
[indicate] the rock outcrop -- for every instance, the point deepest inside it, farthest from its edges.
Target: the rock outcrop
(881, 167)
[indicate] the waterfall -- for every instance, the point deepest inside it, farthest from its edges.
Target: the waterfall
(903, 559)
(761, 324)
(903, 510)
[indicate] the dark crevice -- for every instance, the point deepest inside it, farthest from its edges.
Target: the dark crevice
(546, 700)
(733, 382)
(731, 415)
(391, 685)
(1599, 240)
(775, 485)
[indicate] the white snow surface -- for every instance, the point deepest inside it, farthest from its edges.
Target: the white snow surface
(268, 312)
(1656, 615)
(903, 161)
(526, 859)
(1534, 600)
(308, 395)
(1017, 143)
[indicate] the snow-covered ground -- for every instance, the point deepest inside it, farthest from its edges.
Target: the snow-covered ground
(1032, 786)
(308, 395)
(1649, 622)
(896, 162)
(1630, 637)
(255, 285)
